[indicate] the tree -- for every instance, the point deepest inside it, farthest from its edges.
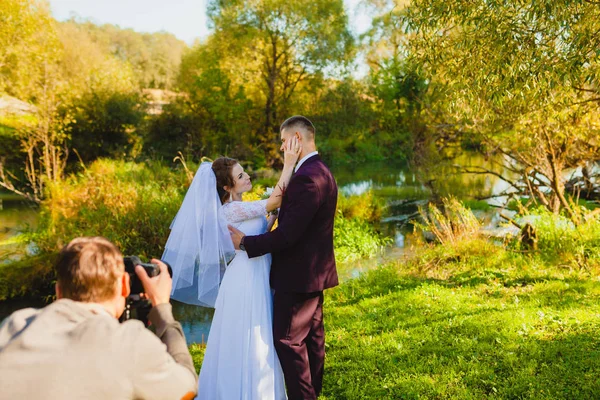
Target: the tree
(211, 117)
(522, 76)
(84, 96)
(274, 46)
(27, 41)
(29, 68)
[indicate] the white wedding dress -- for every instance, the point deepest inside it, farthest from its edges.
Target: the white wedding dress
(240, 361)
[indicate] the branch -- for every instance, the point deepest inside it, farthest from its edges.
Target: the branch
(584, 89)
(5, 183)
(485, 171)
(512, 221)
(586, 101)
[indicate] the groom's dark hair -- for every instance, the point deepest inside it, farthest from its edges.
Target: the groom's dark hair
(298, 121)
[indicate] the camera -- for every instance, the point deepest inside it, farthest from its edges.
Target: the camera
(138, 307)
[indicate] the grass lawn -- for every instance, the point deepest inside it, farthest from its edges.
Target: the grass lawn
(480, 323)
(489, 324)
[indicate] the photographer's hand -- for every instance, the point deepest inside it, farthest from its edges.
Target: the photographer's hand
(157, 288)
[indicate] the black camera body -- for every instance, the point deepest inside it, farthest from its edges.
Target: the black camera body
(138, 307)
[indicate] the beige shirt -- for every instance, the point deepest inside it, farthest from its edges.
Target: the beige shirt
(69, 350)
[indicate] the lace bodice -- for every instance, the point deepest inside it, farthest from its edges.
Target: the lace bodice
(239, 211)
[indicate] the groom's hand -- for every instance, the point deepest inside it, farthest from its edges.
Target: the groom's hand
(236, 236)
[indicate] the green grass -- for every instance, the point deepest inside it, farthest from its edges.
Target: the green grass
(197, 352)
(463, 322)
(479, 205)
(485, 324)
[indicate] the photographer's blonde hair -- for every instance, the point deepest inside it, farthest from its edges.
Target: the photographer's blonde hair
(88, 269)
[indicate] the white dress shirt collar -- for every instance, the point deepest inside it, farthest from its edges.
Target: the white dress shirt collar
(306, 157)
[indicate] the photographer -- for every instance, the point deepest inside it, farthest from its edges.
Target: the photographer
(75, 348)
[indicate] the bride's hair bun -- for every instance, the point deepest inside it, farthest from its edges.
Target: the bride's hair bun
(222, 167)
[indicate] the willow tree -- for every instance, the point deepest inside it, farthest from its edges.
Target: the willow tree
(522, 76)
(278, 45)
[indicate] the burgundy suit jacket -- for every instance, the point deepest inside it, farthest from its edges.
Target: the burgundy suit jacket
(302, 244)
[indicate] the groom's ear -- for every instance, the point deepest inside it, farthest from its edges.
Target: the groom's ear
(298, 136)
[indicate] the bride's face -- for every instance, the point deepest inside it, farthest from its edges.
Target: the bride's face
(241, 179)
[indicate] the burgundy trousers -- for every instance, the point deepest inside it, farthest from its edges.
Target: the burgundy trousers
(300, 342)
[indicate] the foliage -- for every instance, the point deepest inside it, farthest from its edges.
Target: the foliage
(28, 42)
(576, 246)
(354, 239)
(85, 103)
(214, 116)
(130, 204)
(521, 78)
(31, 277)
(366, 207)
(153, 57)
(104, 124)
(197, 351)
(277, 47)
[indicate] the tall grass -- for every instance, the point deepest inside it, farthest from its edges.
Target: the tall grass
(559, 239)
(450, 225)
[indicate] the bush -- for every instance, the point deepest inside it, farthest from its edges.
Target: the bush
(354, 239)
(131, 204)
(31, 277)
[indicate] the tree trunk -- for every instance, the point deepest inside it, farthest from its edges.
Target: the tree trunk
(271, 106)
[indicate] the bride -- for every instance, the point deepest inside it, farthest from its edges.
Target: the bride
(240, 361)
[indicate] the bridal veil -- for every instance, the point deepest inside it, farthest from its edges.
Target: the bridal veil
(199, 245)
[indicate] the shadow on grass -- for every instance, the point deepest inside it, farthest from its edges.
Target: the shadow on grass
(484, 357)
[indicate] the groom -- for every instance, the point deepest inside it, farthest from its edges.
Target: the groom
(303, 263)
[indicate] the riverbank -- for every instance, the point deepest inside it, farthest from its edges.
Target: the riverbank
(133, 204)
(476, 321)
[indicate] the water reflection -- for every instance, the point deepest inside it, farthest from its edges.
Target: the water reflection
(405, 188)
(195, 321)
(16, 216)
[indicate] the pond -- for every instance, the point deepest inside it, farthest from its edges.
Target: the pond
(402, 188)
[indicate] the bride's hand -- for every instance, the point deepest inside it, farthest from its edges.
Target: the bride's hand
(291, 152)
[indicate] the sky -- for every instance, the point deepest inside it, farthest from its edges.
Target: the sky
(186, 19)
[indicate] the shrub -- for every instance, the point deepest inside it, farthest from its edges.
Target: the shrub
(355, 238)
(559, 238)
(130, 204)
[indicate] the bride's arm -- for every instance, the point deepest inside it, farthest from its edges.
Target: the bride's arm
(291, 152)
